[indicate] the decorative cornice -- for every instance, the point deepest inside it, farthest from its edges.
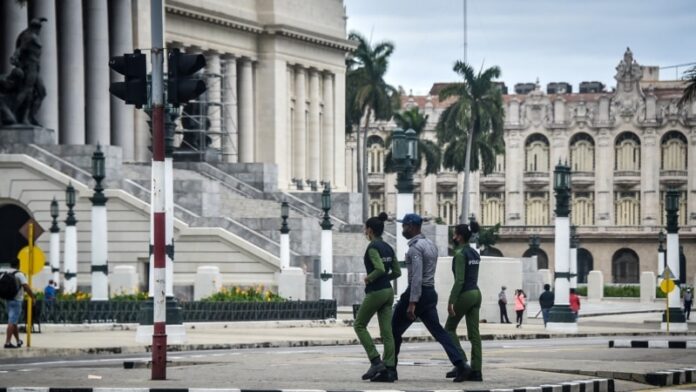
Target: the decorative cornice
(214, 18)
(311, 37)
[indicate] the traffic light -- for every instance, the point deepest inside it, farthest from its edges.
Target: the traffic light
(134, 89)
(182, 85)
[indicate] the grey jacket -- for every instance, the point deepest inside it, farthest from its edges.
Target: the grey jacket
(421, 260)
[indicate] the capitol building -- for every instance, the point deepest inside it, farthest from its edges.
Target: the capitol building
(625, 147)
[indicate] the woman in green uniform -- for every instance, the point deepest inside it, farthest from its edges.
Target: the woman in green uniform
(382, 266)
(465, 298)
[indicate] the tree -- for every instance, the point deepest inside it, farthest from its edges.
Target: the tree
(488, 236)
(427, 149)
(372, 95)
(471, 129)
(689, 93)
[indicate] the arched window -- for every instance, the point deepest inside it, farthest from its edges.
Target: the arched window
(674, 151)
(13, 217)
(627, 209)
(582, 210)
(537, 153)
(585, 264)
(627, 157)
(537, 209)
(682, 209)
(625, 266)
(376, 203)
(492, 251)
(542, 258)
(492, 208)
(582, 153)
(375, 154)
(447, 207)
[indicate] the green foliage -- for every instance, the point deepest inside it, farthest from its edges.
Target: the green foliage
(581, 291)
(689, 93)
(76, 296)
(240, 294)
(138, 296)
(427, 149)
(627, 291)
(488, 236)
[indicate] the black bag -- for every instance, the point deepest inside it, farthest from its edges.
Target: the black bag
(9, 286)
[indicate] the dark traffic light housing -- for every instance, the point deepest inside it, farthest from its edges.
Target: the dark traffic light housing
(134, 89)
(182, 85)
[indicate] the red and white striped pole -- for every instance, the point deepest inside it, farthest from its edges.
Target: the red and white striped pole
(159, 336)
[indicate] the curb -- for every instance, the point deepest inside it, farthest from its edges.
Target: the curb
(671, 377)
(623, 343)
(595, 385)
(659, 378)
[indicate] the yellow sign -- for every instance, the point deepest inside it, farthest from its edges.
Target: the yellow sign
(667, 285)
(38, 261)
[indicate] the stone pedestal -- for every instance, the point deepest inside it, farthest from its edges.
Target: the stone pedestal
(595, 286)
(647, 287)
(291, 284)
(208, 282)
(123, 281)
(26, 134)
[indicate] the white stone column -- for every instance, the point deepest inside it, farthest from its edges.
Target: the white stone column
(71, 73)
(650, 179)
(70, 255)
(213, 72)
(48, 112)
(97, 97)
(120, 43)
(404, 205)
(326, 287)
(604, 203)
(573, 268)
(246, 111)
(660, 265)
(328, 153)
(339, 177)
(561, 306)
(230, 141)
(55, 254)
(14, 21)
(673, 298)
(299, 140)
(314, 131)
(99, 247)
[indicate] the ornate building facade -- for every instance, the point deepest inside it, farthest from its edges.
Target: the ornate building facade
(625, 148)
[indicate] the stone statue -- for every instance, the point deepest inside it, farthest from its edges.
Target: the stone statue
(22, 90)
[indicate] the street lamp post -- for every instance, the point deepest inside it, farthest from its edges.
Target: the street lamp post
(675, 316)
(291, 280)
(560, 317)
(660, 256)
(404, 154)
(284, 237)
(55, 242)
(574, 245)
(473, 241)
(99, 235)
(70, 248)
(326, 245)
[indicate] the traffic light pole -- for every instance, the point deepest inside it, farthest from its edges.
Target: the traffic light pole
(159, 337)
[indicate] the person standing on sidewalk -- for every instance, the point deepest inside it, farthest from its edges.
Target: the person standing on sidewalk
(574, 300)
(420, 298)
(502, 303)
(546, 300)
(14, 303)
(465, 298)
(688, 298)
(381, 266)
(520, 306)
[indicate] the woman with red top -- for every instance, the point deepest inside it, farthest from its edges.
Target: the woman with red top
(574, 300)
(520, 305)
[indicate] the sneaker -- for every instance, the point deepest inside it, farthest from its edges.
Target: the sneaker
(387, 375)
(452, 373)
(20, 343)
(462, 373)
(376, 367)
(10, 345)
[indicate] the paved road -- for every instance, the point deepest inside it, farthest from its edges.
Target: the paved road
(507, 364)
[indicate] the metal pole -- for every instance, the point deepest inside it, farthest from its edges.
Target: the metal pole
(159, 336)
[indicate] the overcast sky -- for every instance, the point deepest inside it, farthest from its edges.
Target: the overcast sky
(554, 40)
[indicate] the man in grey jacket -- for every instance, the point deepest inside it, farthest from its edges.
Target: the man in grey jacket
(420, 299)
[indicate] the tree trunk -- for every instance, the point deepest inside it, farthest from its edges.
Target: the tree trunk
(358, 158)
(463, 218)
(365, 190)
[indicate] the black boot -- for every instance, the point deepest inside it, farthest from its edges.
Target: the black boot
(463, 372)
(386, 375)
(376, 366)
(452, 373)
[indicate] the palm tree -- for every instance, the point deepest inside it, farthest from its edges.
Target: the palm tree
(373, 95)
(475, 119)
(689, 93)
(427, 149)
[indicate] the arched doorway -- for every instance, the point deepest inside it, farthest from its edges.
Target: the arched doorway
(12, 218)
(492, 251)
(625, 266)
(542, 258)
(585, 264)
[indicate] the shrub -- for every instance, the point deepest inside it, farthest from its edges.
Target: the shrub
(240, 294)
(138, 296)
(76, 296)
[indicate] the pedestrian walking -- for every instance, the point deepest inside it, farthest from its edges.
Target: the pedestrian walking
(465, 299)
(688, 300)
(546, 300)
(420, 298)
(574, 300)
(520, 306)
(382, 267)
(13, 284)
(502, 304)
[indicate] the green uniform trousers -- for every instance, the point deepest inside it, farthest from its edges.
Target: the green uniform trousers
(467, 305)
(379, 302)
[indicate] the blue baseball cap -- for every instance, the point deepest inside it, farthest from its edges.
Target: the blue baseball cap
(411, 219)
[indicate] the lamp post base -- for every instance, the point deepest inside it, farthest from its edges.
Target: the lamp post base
(562, 319)
(176, 333)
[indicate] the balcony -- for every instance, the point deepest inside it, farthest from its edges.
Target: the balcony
(493, 180)
(582, 179)
(536, 179)
(673, 177)
(626, 177)
(375, 178)
(447, 178)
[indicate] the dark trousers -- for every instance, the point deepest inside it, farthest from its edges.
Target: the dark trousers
(426, 311)
(687, 309)
(519, 316)
(503, 313)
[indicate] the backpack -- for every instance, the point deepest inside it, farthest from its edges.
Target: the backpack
(9, 286)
